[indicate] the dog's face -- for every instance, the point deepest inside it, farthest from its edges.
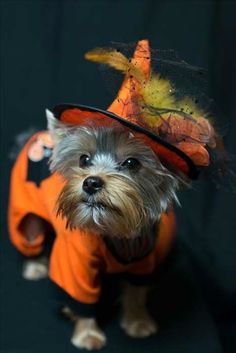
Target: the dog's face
(115, 184)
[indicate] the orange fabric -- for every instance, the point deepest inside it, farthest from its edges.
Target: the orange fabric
(78, 117)
(196, 152)
(77, 258)
(25, 197)
(124, 104)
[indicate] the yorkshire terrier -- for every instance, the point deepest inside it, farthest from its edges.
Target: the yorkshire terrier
(116, 188)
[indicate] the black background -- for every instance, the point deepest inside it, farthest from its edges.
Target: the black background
(42, 47)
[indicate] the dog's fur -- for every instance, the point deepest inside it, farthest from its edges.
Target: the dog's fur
(134, 190)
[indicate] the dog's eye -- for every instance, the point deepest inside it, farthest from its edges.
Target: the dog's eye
(131, 163)
(84, 161)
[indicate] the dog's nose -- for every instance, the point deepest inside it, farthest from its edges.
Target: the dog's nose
(92, 184)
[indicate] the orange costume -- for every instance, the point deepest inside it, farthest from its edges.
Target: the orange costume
(77, 258)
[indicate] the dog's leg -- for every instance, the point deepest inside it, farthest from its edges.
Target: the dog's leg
(35, 269)
(88, 335)
(31, 227)
(136, 321)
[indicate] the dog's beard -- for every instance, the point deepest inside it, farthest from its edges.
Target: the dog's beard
(117, 210)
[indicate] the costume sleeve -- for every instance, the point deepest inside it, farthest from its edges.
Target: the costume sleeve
(25, 198)
(62, 299)
(75, 266)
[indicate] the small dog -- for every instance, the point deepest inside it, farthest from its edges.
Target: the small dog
(109, 193)
(114, 188)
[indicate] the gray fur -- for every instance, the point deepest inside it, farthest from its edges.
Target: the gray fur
(150, 190)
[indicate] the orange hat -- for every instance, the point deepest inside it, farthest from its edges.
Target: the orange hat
(146, 105)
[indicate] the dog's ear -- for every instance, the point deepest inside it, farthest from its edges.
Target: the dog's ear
(56, 128)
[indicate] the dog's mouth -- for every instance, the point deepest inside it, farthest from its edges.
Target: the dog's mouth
(94, 204)
(99, 206)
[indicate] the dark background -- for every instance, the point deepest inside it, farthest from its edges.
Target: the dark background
(42, 47)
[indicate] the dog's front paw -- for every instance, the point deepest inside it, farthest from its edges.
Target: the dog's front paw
(34, 270)
(139, 327)
(88, 335)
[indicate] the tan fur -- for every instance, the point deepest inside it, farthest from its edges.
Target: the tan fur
(136, 321)
(88, 335)
(123, 204)
(34, 270)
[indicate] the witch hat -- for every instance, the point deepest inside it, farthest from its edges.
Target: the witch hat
(146, 106)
